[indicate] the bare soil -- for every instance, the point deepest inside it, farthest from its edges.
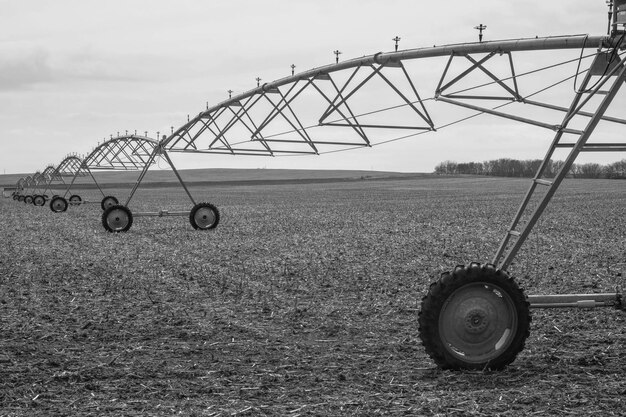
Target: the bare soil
(303, 301)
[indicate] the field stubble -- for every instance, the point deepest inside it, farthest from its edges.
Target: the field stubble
(302, 302)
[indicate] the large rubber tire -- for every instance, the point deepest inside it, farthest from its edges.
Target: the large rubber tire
(28, 199)
(117, 218)
(58, 204)
(108, 201)
(476, 317)
(39, 200)
(75, 200)
(204, 216)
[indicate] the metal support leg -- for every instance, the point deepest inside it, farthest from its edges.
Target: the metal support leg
(96, 182)
(153, 156)
(69, 187)
(169, 161)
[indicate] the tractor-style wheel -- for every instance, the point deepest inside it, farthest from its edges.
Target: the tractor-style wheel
(58, 204)
(75, 200)
(20, 198)
(117, 218)
(39, 200)
(28, 199)
(474, 318)
(204, 216)
(108, 201)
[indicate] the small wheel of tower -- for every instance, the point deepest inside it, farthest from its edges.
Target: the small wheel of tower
(108, 201)
(28, 199)
(204, 216)
(39, 200)
(58, 204)
(75, 200)
(476, 317)
(117, 218)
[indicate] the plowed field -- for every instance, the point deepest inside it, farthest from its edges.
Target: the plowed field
(303, 301)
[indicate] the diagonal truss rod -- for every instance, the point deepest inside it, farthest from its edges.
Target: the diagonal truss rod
(279, 110)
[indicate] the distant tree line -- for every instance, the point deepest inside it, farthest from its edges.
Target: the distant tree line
(505, 167)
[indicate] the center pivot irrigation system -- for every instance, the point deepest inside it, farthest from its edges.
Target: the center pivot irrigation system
(476, 316)
(126, 153)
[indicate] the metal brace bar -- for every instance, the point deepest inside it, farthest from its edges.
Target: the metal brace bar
(575, 300)
(255, 127)
(331, 103)
(276, 110)
(581, 113)
(319, 142)
(500, 114)
(301, 131)
(236, 117)
(161, 213)
(351, 93)
(406, 100)
(167, 157)
(355, 126)
(429, 120)
(96, 182)
(377, 127)
(463, 74)
(154, 154)
(515, 94)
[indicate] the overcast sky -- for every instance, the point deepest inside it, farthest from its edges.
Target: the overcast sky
(72, 72)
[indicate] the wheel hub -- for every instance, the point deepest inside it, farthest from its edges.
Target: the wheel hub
(205, 217)
(476, 321)
(118, 220)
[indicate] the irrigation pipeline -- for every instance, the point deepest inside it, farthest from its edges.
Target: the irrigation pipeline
(381, 58)
(390, 58)
(448, 124)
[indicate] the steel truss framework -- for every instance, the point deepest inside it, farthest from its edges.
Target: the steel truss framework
(277, 119)
(67, 169)
(139, 154)
(34, 188)
(128, 153)
(268, 121)
(27, 187)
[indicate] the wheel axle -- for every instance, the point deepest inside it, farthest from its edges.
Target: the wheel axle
(576, 300)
